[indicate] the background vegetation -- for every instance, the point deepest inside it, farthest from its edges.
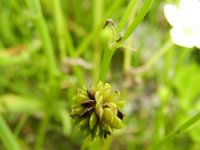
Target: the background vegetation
(48, 48)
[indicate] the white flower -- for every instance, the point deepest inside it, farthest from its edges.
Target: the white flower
(185, 21)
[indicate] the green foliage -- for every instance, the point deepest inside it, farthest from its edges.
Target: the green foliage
(49, 48)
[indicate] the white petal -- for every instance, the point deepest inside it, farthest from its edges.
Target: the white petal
(190, 10)
(198, 45)
(172, 14)
(179, 38)
(190, 5)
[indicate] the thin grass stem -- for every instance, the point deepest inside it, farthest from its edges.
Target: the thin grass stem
(181, 129)
(41, 133)
(145, 7)
(126, 15)
(7, 137)
(42, 28)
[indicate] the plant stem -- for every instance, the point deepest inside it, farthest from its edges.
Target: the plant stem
(146, 6)
(126, 15)
(97, 17)
(91, 36)
(127, 52)
(159, 125)
(177, 131)
(63, 34)
(63, 31)
(108, 53)
(20, 124)
(60, 28)
(41, 132)
(107, 56)
(159, 54)
(7, 137)
(166, 47)
(44, 34)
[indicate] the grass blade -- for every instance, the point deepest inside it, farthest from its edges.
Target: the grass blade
(177, 131)
(146, 6)
(7, 137)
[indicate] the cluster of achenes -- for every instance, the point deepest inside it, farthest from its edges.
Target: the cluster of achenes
(96, 110)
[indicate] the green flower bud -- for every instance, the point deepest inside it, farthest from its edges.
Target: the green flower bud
(96, 110)
(108, 115)
(116, 123)
(83, 122)
(93, 120)
(99, 112)
(77, 111)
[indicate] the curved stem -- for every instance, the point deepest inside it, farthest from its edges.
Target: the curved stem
(7, 137)
(166, 47)
(126, 15)
(42, 28)
(146, 6)
(177, 131)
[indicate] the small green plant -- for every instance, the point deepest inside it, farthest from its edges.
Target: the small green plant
(50, 48)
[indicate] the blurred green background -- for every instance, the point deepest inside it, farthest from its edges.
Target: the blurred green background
(50, 48)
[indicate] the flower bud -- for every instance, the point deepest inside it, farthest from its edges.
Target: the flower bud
(108, 115)
(96, 110)
(93, 120)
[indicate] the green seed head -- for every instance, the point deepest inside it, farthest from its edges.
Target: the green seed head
(96, 110)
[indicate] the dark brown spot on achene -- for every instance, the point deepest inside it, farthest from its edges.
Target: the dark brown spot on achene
(87, 112)
(89, 103)
(90, 95)
(105, 106)
(120, 115)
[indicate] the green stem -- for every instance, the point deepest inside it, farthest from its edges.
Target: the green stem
(63, 34)
(127, 52)
(159, 125)
(41, 133)
(146, 6)
(159, 54)
(44, 34)
(166, 47)
(107, 56)
(97, 17)
(60, 27)
(7, 137)
(108, 53)
(20, 124)
(126, 15)
(63, 30)
(177, 131)
(91, 36)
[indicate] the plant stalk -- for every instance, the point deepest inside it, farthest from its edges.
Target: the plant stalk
(7, 137)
